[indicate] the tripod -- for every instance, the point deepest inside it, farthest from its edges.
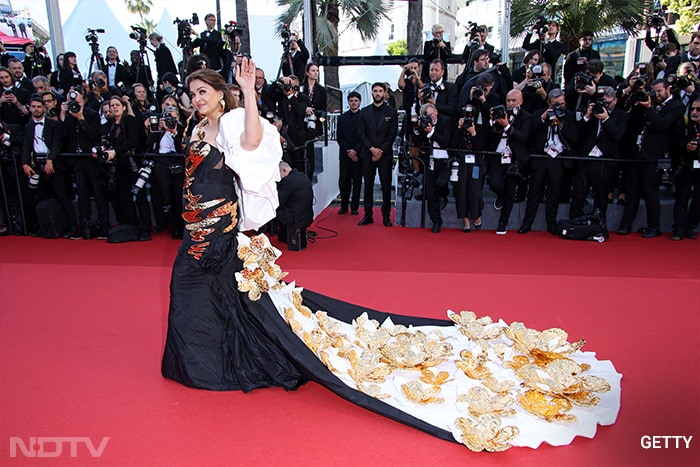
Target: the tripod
(97, 61)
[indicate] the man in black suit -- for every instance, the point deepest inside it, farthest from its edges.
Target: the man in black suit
(577, 58)
(377, 127)
(82, 131)
(43, 136)
(687, 182)
(292, 108)
(209, 43)
(654, 143)
(100, 91)
(444, 94)
(547, 42)
(350, 168)
(433, 135)
(295, 212)
(265, 95)
(553, 133)
(21, 80)
(163, 56)
(116, 73)
(298, 56)
(600, 131)
(535, 89)
(140, 73)
(693, 52)
(580, 92)
(512, 129)
(35, 62)
(435, 49)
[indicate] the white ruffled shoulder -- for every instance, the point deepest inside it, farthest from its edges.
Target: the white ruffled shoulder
(257, 170)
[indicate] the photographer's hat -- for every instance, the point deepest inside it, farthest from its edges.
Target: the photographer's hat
(586, 34)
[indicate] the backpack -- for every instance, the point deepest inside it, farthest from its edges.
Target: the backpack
(53, 222)
(586, 227)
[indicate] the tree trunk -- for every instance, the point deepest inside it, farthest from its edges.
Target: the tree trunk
(330, 73)
(414, 30)
(242, 18)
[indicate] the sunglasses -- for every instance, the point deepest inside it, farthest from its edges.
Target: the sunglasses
(695, 109)
(587, 39)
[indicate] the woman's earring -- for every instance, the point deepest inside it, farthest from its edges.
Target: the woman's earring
(222, 102)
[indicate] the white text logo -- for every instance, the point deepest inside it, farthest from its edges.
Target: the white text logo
(53, 446)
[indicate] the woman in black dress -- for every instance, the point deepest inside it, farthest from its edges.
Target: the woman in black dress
(234, 325)
(70, 73)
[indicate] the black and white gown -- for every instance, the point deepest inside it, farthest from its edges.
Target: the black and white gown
(234, 324)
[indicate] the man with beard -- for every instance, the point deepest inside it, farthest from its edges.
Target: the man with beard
(350, 178)
(377, 127)
(687, 186)
(583, 54)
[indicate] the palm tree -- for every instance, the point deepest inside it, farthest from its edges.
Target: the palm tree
(414, 30)
(242, 18)
(140, 7)
(365, 15)
(576, 16)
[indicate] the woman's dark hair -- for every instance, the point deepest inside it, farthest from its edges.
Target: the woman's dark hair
(120, 99)
(66, 65)
(528, 56)
(194, 63)
(214, 79)
(306, 70)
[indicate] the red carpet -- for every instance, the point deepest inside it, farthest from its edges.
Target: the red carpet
(80, 356)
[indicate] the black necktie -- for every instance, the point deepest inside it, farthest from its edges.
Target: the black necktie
(38, 123)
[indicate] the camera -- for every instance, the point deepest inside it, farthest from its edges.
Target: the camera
(540, 27)
(477, 92)
(513, 170)
(73, 105)
(556, 113)
(409, 75)
(600, 106)
(98, 83)
(679, 83)
(428, 91)
(101, 152)
(184, 27)
(232, 28)
(153, 119)
(168, 119)
(498, 112)
(470, 113)
(424, 121)
(143, 175)
(285, 87)
(178, 90)
(537, 80)
(91, 35)
(139, 34)
(582, 79)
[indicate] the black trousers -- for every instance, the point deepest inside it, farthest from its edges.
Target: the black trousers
(57, 183)
(687, 189)
(91, 180)
(547, 173)
(133, 211)
(469, 188)
(349, 182)
(510, 187)
(369, 171)
(166, 192)
(642, 182)
(436, 186)
(596, 176)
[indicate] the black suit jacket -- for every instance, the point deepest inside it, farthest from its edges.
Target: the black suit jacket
(607, 140)
(347, 134)
(164, 61)
(141, 75)
(658, 134)
(9, 113)
(82, 135)
(570, 68)
(551, 51)
(293, 112)
(296, 200)
(517, 133)
(52, 137)
(430, 53)
(382, 136)
(209, 43)
(442, 135)
(568, 134)
(446, 100)
(121, 75)
(299, 60)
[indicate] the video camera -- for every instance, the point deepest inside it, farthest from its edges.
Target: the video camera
(232, 28)
(656, 18)
(91, 36)
(184, 28)
(473, 33)
(286, 35)
(139, 34)
(540, 26)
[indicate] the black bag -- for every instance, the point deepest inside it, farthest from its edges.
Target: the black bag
(123, 233)
(51, 218)
(587, 227)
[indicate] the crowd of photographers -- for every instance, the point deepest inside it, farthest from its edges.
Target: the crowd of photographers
(533, 139)
(106, 137)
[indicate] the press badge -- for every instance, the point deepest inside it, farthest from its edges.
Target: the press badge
(505, 158)
(469, 159)
(431, 164)
(696, 164)
(553, 150)
(595, 152)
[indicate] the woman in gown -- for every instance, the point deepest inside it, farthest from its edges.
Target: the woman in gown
(234, 325)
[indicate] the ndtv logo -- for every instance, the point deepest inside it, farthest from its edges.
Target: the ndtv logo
(52, 446)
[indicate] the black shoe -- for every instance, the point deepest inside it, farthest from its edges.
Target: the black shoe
(498, 204)
(436, 228)
(552, 229)
(366, 221)
(443, 202)
(87, 232)
(651, 233)
(144, 235)
(624, 230)
(466, 229)
(342, 211)
(676, 236)
(354, 212)
(387, 222)
(478, 226)
(501, 229)
(690, 234)
(524, 229)
(73, 234)
(103, 232)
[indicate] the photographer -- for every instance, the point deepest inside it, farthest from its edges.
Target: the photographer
(116, 73)
(81, 127)
(13, 101)
(168, 172)
(435, 49)
(580, 91)
(512, 127)
(36, 62)
(265, 95)
(471, 169)
(52, 105)
(535, 87)
(70, 73)
(687, 182)
(600, 132)
(138, 72)
(209, 43)
(554, 132)
(40, 84)
(44, 137)
(433, 135)
(530, 59)
(654, 142)
(21, 81)
(295, 62)
(467, 79)
(575, 59)
(438, 91)
(315, 112)
(123, 139)
(546, 42)
(293, 105)
(502, 80)
(170, 85)
(163, 56)
(99, 91)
